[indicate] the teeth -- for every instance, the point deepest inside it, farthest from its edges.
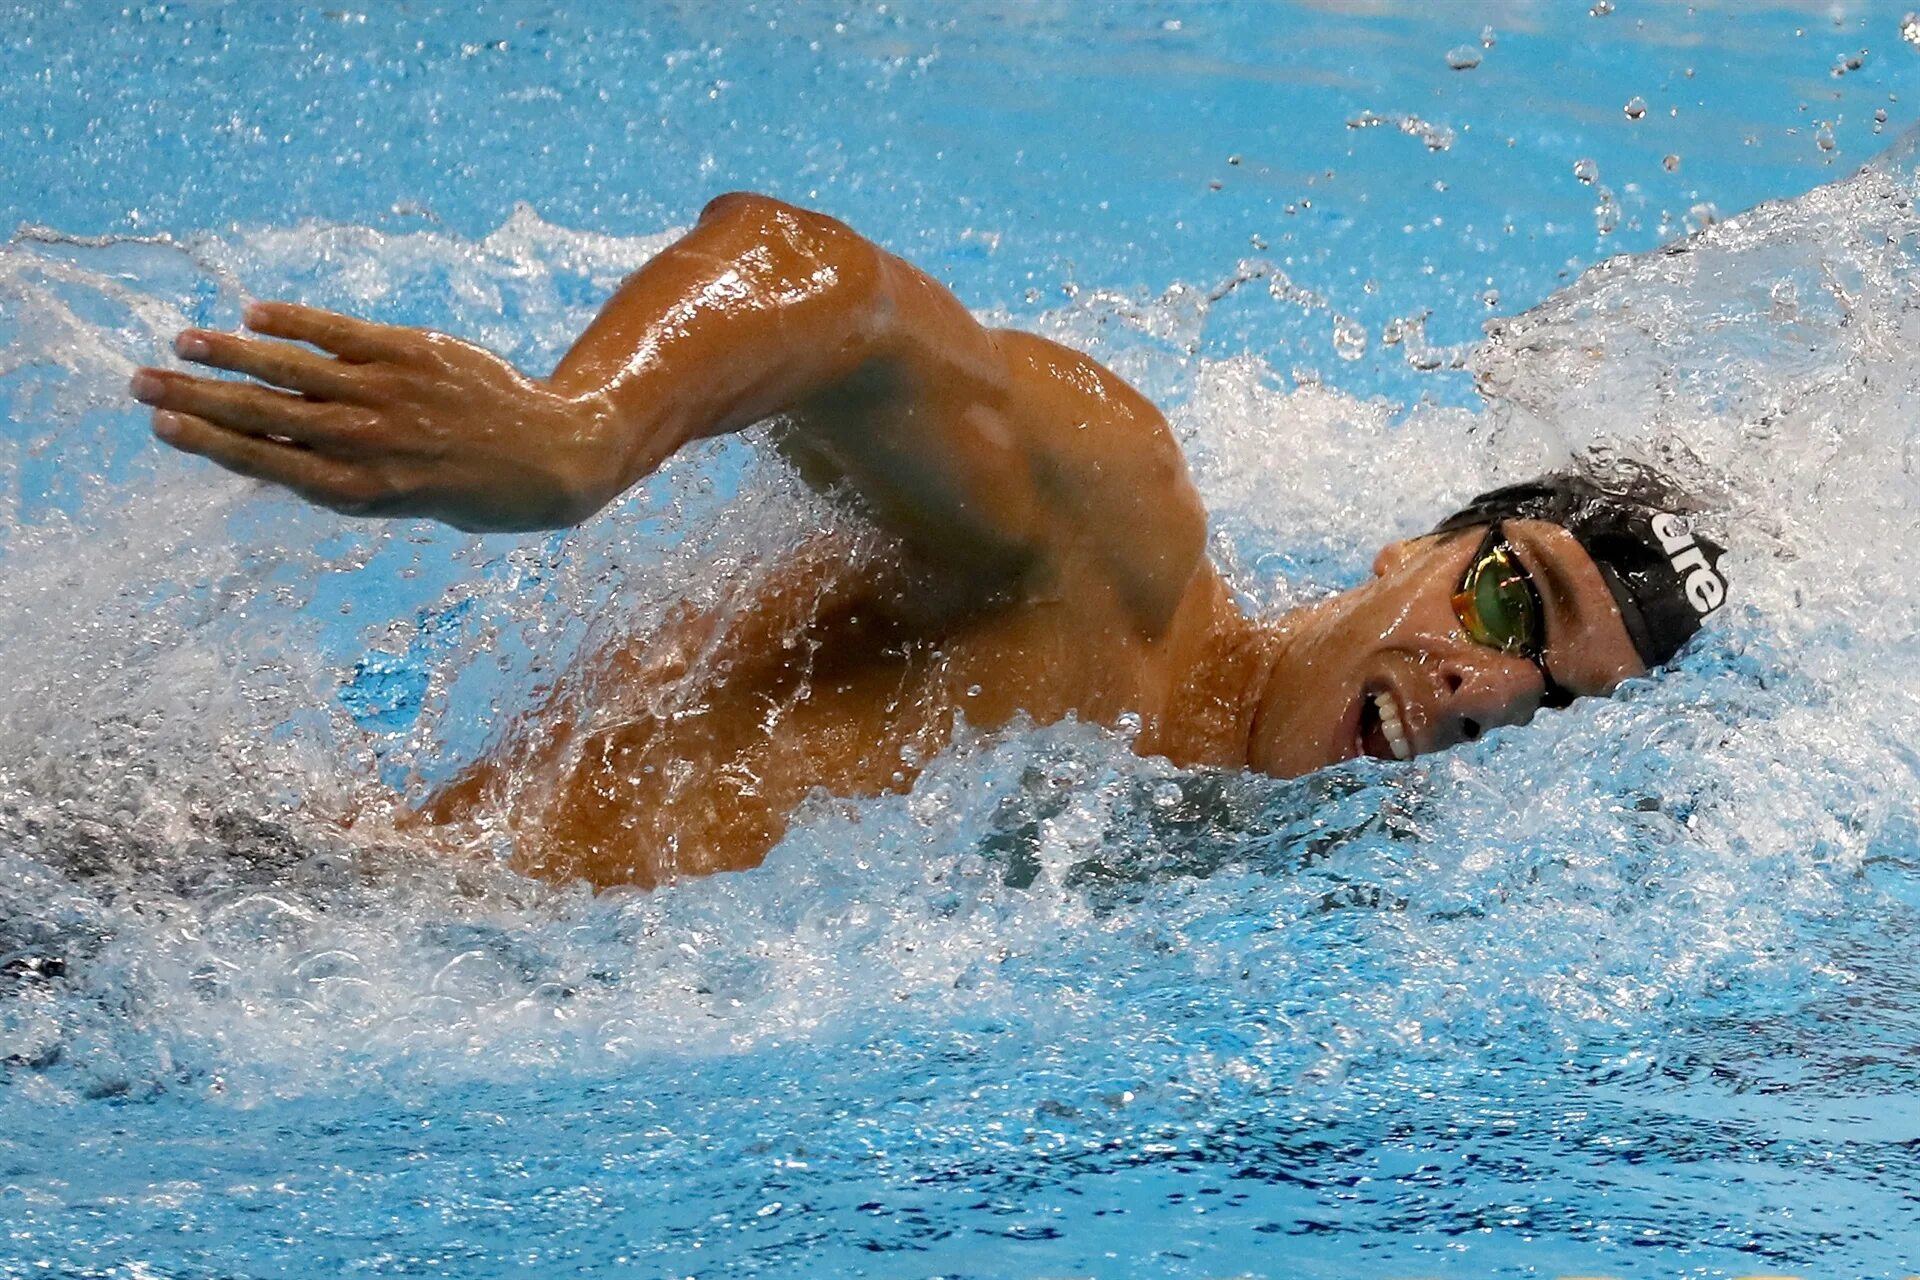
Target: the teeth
(1392, 726)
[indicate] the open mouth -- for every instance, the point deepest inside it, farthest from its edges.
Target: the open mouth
(1382, 732)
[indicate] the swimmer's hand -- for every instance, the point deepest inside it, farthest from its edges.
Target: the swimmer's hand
(385, 421)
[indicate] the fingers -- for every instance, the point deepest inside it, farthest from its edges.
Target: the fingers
(248, 407)
(283, 365)
(313, 476)
(345, 336)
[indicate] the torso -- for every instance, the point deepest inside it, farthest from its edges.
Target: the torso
(821, 679)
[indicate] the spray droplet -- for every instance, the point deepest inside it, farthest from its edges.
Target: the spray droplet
(1601, 8)
(1487, 38)
(1606, 212)
(1166, 795)
(1349, 338)
(1586, 170)
(1910, 29)
(1823, 137)
(1636, 107)
(1670, 163)
(1438, 137)
(1703, 215)
(1463, 58)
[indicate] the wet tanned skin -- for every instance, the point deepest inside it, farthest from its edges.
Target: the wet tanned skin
(1047, 547)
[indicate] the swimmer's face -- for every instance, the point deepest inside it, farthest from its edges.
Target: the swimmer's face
(1389, 670)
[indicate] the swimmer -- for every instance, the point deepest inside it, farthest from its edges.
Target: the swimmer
(1047, 550)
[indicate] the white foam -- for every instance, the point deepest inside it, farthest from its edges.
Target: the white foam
(175, 742)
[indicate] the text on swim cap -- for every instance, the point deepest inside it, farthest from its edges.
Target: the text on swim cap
(1705, 589)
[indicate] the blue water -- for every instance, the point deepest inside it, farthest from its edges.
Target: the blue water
(1628, 992)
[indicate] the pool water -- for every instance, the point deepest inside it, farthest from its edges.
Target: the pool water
(1629, 991)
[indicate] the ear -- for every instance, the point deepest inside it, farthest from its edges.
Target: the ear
(1392, 556)
(1395, 554)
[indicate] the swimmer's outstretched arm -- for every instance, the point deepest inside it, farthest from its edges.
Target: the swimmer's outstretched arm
(987, 451)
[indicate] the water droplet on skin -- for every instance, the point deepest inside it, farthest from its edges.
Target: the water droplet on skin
(1463, 58)
(1636, 107)
(1586, 170)
(1671, 164)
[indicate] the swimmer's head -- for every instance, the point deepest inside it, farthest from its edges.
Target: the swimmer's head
(1532, 595)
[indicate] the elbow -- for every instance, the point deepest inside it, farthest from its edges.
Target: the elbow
(740, 206)
(807, 253)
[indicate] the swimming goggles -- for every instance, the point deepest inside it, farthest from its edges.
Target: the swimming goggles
(1498, 606)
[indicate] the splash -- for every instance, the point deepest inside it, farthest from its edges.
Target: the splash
(206, 677)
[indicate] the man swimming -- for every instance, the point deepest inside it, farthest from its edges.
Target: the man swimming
(1047, 549)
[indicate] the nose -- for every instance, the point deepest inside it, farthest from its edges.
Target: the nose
(1483, 691)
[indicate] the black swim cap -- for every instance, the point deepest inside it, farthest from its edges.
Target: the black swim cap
(1665, 578)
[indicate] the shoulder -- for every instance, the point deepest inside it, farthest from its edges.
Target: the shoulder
(1111, 477)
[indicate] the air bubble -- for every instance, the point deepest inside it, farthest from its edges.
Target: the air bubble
(1636, 107)
(1349, 338)
(1463, 58)
(1166, 795)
